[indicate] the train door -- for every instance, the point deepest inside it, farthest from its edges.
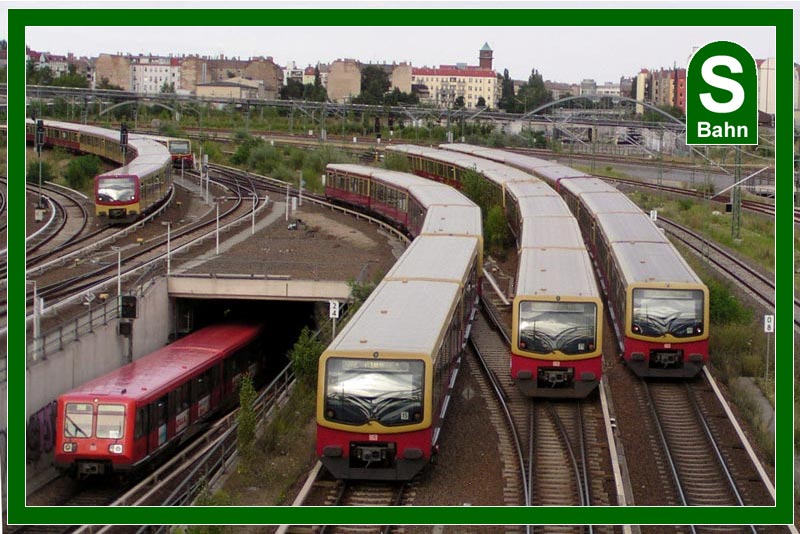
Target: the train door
(158, 423)
(141, 445)
(216, 385)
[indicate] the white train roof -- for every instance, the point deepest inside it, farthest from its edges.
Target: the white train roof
(494, 171)
(588, 184)
(610, 202)
(395, 178)
(436, 258)
(543, 207)
(630, 227)
(400, 316)
(550, 170)
(453, 220)
(432, 193)
(532, 188)
(652, 262)
(151, 155)
(551, 232)
(556, 272)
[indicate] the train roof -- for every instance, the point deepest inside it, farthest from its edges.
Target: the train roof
(556, 272)
(543, 207)
(453, 220)
(391, 320)
(397, 179)
(551, 232)
(653, 263)
(588, 184)
(433, 193)
(610, 202)
(630, 227)
(494, 171)
(550, 170)
(150, 155)
(532, 188)
(446, 258)
(147, 377)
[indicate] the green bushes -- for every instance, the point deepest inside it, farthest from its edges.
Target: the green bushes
(81, 171)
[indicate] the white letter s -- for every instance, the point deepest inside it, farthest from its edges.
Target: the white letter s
(732, 86)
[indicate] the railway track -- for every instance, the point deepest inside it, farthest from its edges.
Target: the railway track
(553, 452)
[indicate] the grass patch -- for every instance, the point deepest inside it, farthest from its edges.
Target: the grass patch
(757, 232)
(281, 454)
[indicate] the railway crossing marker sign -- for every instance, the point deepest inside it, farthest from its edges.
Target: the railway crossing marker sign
(721, 96)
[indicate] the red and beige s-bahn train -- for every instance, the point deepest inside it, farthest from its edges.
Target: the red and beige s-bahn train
(124, 194)
(385, 381)
(557, 321)
(659, 304)
(124, 419)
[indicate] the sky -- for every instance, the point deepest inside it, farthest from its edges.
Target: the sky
(563, 54)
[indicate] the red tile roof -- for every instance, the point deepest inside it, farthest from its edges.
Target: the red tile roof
(444, 70)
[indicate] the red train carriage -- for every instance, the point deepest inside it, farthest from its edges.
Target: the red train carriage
(124, 419)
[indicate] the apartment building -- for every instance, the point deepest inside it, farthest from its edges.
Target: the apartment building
(447, 83)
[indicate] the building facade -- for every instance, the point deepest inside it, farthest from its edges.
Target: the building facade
(447, 83)
(344, 80)
(151, 74)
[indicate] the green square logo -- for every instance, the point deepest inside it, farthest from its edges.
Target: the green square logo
(721, 96)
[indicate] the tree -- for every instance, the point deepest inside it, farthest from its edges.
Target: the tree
(481, 102)
(507, 93)
(293, 90)
(168, 88)
(81, 170)
(73, 79)
(305, 356)
(106, 84)
(374, 85)
(459, 102)
(247, 421)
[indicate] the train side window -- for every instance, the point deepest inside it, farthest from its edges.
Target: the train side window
(140, 427)
(161, 411)
(184, 396)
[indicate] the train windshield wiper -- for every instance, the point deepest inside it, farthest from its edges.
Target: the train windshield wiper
(76, 427)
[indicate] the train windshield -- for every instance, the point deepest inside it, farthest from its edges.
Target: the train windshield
(179, 147)
(658, 312)
(569, 327)
(110, 420)
(78, 419)
(389, 392)
(116, 189)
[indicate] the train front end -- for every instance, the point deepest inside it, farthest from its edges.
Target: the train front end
(116, 198)
(374, 415)
(557, 325)
(180, 151)
(94, 435)
(557, 346)
(666, 329)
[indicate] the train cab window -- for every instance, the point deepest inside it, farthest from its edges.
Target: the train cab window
(569, 327)
(78, 420)
(386, 391)
(110, 421)
(115, 189)
(658, 312)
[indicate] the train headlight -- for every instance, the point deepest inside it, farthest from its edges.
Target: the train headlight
(115, 448)
(69, 447)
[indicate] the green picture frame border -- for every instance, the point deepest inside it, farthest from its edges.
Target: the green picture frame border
(779, 19)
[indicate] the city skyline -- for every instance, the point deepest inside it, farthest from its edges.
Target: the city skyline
(561, 54)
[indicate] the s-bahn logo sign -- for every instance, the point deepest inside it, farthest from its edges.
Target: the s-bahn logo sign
(721, 96)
